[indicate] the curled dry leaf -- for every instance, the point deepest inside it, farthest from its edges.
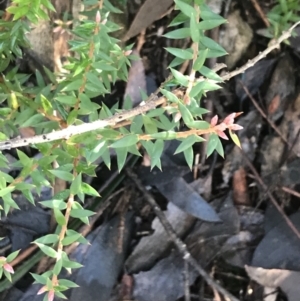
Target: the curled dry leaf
(287, 280)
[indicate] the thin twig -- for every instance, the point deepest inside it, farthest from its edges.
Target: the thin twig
(260, 12)
(187, 293)
(264, 115)
(270, 195)
(152, 102)
(291, 191)
(176, 240)
(274, 44)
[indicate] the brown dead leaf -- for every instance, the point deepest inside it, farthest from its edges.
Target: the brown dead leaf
(282, 88)
(149, 12)
(27, 132)
(61, 49)
(274, 104)
(240, 188)
(136, 81)
(126, 287)
(61, 7)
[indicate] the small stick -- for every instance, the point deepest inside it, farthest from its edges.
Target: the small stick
(187, 293)
(270, 195)
(260, 12)
(264, 115)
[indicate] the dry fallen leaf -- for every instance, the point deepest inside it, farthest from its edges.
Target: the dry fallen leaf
(149, 12)
(287, 280)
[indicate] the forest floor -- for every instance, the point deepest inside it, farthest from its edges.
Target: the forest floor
(238, 216)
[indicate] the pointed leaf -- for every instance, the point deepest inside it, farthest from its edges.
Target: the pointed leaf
(61, 174)
(126, 141)
(189, 156)
(187, 143)
(212, 144)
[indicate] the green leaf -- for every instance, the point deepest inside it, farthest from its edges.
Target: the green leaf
(67, 99)
(176, 62)
(219, 148)
(81, 213)
(6, 190)
(201, 59)
(210, 74)
(9, 202)
(87, 189)
(46, 104)
(67, 283)
(208, 14)
(12, 256)
(7, 275)
(179, 19)
(136, 125)
(189, 156)
(46, 161)
(156, 153)
(69, 264)
(48, 239)
(182, 79)
(94, 79)
(180, 33)
(156, 112)
(76, 183)
(150, 125)
(168, 135)
(24, 159)
(235, 139)
(106, 158)
(187, 143)
(59, 217)
(33, 120)
(121, 157)
(59, 204)
(57, 267)
(109, 133)
(212, 144)
(199, 125)
(186, 114)
(133, 150)
(50, 75)
(42, 279)
(169, 95)
(210, 24)
(212, 45)
(128, 140)
(185, 54)
(195, 34)
(185, 8)
(47, 250)
(73, 86)
(148, 145)
(96, 152)
(203, 86)
(61, 174)
(71, 238)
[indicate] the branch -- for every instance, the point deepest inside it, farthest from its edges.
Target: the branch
(152, 102)
(274, 44)
(72, 130)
